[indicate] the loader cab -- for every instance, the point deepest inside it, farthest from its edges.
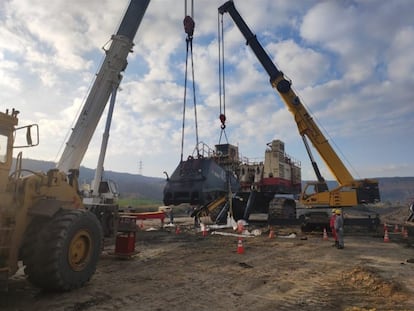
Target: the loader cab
(4, 138)
(12, 137)
(8, 121)
(5, 158)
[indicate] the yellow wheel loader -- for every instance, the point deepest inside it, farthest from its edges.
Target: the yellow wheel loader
(42, 220)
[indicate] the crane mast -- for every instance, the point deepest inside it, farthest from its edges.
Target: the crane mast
(366, 190)
(107, 80)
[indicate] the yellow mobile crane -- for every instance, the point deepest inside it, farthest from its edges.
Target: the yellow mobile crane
(350, 191)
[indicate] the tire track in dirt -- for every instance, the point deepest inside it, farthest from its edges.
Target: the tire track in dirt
(188, 272)
(320, 285)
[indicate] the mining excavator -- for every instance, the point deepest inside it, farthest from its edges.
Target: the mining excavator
(350, 192)
(43, 221)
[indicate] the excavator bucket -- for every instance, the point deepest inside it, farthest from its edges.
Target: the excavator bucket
(197, 182)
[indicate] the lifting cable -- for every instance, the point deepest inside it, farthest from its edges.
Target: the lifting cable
(222, 101)
(189, 30)
(222, 89)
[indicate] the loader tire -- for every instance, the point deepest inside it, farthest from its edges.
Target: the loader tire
(29, 251)
(65, 251)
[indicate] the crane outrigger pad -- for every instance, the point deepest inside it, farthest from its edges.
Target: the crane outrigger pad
(198, 181)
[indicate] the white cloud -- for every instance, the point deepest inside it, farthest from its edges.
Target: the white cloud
(401, 62)
(349, 61)
(307, 65)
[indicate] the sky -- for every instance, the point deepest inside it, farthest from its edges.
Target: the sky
(349, 61)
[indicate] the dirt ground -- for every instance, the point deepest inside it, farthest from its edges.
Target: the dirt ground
(189, 271)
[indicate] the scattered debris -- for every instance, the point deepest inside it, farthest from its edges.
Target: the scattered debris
(290, 236)
(240, 235)
(245, 265)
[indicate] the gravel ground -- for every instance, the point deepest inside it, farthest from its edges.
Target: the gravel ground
(188, 271)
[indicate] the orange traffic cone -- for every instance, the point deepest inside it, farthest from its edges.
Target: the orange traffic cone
(386, 237)
(271, 233)
(325, 235)
(240, 247)
(177, 230)
(204, 229)
(405, 233)
(395, 228)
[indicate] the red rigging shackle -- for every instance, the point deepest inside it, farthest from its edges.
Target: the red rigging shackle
(189, 25)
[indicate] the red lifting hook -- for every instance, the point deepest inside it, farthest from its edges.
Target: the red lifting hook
(223, 120)
(189, 25)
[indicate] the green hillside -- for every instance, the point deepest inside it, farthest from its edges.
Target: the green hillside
(150, 189)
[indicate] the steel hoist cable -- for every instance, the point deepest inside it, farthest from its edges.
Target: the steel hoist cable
(222, 102)
(189, 30)
(222, 88)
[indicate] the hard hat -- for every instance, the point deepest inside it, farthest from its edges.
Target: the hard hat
(338, 212)
(333, 211)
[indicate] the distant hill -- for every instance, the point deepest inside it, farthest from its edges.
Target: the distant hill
(130, 185)
(397, 189)
(392, 189)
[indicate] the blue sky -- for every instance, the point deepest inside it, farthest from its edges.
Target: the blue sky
(350, 62)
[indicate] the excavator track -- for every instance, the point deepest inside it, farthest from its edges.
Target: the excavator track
(282, 211)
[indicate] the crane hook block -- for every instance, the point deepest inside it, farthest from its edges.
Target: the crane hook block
(223, 121)
(189, 25)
